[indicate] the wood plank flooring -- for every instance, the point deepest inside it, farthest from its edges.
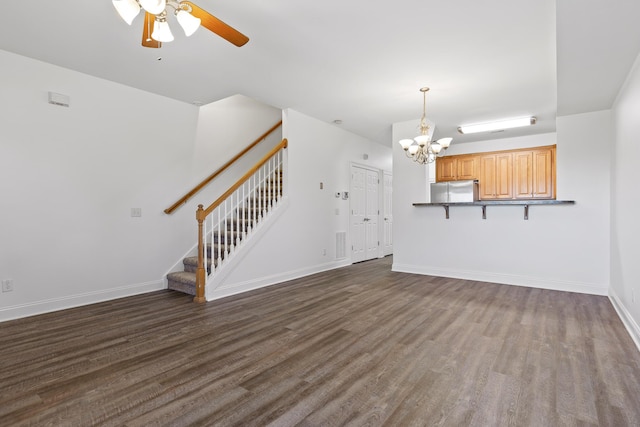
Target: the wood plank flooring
(357, 346)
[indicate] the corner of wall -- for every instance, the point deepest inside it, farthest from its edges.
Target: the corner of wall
(627, 320)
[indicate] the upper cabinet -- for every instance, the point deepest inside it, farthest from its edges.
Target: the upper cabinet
(505, 175)
(496, 176)
(446, 168)
(534, 173)
(455, 168)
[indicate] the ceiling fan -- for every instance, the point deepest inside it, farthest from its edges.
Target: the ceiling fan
(190, 16)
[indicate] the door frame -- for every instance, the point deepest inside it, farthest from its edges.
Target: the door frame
(380, 204)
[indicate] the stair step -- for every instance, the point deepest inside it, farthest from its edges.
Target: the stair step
(182, 281)
(191, 264)
(241, 224)
(232, 236)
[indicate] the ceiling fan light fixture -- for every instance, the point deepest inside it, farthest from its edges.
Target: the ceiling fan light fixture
(161, 31)
(187, 21)
(154, 7)
(497, 125)
(127, 9)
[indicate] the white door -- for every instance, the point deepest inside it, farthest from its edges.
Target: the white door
(358, 214)
(372, 235)
(387, 214)
(364, 214)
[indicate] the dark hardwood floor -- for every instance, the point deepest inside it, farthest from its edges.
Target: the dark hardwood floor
(355, 346)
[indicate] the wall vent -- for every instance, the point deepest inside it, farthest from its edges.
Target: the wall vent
(341, 244)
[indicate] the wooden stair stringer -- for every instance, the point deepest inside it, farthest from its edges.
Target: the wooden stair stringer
(231, 262)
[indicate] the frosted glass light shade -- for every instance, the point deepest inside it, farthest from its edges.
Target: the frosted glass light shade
(435, 147)
(422, 140)
(161, 32)
(154, 7)
(187, 21)
(127, 9)
(405, 143)
(413, 149)
(444, 142)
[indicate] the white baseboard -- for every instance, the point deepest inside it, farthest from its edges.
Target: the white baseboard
(275, 279)
(71, 301)
(506, 279)
(627, 320)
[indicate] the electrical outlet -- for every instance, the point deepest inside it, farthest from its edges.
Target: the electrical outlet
(136, 212)
(7, 285)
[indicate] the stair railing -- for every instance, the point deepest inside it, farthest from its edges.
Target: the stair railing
(228, 221)
(221, 169)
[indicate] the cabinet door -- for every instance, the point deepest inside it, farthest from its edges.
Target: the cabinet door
(543, 171)
(467, 167)
(487, 179)
(523, 174)
(504, 176)
(446, 169)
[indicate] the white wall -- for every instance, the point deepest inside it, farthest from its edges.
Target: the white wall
(625, 203)
(224, 129)
(70, 176)
(559, 247)
(293, 246)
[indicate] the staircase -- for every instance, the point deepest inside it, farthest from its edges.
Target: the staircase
(229, 235)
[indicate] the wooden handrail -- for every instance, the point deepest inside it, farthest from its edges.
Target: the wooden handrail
(202, 214)
(208, 179)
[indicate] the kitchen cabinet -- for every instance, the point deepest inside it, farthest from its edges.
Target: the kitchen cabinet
(446, 168)
(468, 167)
(534, 172)
(455, 168)
(496, 176)
(522, 174)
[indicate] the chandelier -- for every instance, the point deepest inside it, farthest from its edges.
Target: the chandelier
(421, 149)
(129, 9)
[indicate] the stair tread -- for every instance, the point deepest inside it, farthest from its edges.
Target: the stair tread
(193, 260)
(185, 277)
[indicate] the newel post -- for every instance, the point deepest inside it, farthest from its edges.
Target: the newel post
(200, 272)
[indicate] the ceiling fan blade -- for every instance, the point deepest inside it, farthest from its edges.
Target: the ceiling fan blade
(147, 41)
(215, 25)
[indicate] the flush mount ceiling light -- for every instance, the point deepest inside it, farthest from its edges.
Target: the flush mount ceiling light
(189, 16)
(497, 125)
(421, 149)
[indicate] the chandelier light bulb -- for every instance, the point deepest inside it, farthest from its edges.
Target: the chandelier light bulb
(161, 31)
(127, 9)
(154, 7)
(187, 21)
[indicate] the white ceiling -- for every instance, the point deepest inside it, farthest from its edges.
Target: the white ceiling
(360, 61)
